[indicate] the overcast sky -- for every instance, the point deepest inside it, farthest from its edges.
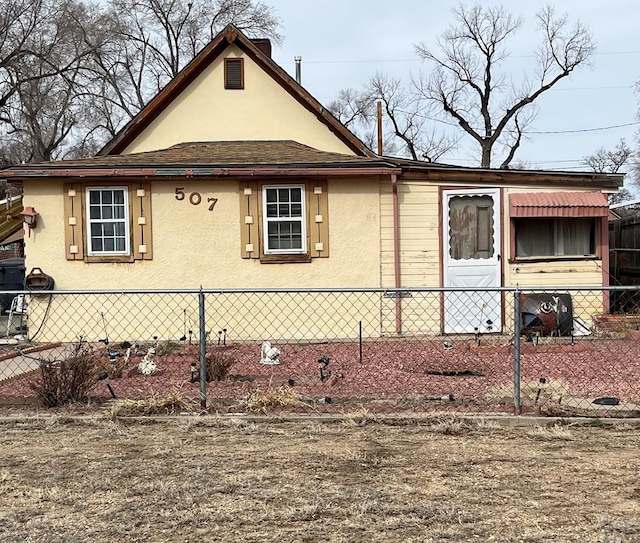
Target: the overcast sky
(344, 42)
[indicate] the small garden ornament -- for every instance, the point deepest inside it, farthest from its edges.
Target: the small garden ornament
(269, 355)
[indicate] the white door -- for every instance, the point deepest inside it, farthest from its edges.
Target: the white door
(471, 248)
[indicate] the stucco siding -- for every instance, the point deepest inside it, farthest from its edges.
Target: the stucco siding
(206, 111)
(195, 247)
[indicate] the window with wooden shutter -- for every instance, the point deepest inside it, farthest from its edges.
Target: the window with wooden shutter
(107, 223)
(272, 228)
(233, 73)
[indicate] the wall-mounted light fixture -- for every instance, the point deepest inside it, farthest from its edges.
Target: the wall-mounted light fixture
(30, 217)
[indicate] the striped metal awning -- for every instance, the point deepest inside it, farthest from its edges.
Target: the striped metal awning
(558, 204)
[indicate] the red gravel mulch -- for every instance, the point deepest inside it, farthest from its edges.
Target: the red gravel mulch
(390, 375)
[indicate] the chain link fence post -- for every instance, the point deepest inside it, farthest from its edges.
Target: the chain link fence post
(203, 352)
(516, 351)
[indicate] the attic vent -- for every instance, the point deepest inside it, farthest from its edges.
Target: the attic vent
(233, 73)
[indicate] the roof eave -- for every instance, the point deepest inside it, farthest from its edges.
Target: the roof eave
(202, 171)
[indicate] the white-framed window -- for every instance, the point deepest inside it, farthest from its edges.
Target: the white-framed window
(108, 221)
(284, 219)
(553, 236)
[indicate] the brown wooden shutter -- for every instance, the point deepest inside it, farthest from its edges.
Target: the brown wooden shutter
(249, 220)
(233, 73)
(140, 197)
(318, 210)
(73, 222)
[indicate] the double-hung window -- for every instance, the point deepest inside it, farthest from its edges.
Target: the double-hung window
(107, 221)
(284, 217)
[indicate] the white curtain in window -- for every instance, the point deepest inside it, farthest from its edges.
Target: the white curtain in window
(555, 237)
(573, 237)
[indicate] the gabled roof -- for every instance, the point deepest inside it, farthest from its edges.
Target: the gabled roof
(230, 35)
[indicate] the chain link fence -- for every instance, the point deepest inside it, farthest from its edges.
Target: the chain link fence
(559, 351)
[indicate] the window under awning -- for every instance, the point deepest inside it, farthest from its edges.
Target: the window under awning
(558, 204)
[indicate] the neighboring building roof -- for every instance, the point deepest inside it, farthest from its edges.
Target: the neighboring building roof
(255, 49)
(558, 204)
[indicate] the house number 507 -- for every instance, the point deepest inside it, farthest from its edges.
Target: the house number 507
(195, 198)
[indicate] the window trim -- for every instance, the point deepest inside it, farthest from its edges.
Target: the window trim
(227, 62)
(317, 221)
(126, 220)
(304, 250)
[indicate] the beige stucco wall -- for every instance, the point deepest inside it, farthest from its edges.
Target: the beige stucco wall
(263, 110)
(194, 247)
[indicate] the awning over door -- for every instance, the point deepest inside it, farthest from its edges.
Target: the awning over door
(558, 204)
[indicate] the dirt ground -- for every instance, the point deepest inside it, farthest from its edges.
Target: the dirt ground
(358, 480)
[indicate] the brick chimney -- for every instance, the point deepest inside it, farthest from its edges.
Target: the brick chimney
(264, 45)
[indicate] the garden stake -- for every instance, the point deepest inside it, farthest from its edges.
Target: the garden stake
(219, 336)
(104, 376)
(224, 337)
(184, 327)
(104, 326)
(542, 381)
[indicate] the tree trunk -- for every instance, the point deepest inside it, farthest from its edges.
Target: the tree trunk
(486, 155)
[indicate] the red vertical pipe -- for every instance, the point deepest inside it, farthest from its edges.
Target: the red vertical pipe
(396, 252)
(604, 254)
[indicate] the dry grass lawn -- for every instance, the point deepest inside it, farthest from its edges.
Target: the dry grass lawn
(201, 480)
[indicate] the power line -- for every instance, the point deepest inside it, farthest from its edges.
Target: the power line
(386, 60)
(538, 132)
(583, 129)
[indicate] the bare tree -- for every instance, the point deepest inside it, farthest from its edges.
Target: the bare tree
(611, 161)
(43, 53)
(73, 74)
(407, 116)
(403, 112)
(467, 82)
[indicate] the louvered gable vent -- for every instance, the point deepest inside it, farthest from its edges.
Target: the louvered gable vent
(233, 73)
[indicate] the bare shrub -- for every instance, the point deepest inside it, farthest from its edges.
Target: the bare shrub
(69, 379)
(258, 400)
(156, 405)
(218, 361)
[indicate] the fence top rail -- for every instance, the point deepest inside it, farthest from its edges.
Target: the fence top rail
(373, 290)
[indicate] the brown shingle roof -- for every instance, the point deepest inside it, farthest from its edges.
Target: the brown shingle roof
(219, 154)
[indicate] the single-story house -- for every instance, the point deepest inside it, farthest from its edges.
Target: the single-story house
(234, 176)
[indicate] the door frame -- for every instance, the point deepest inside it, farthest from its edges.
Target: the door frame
(498, 194)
